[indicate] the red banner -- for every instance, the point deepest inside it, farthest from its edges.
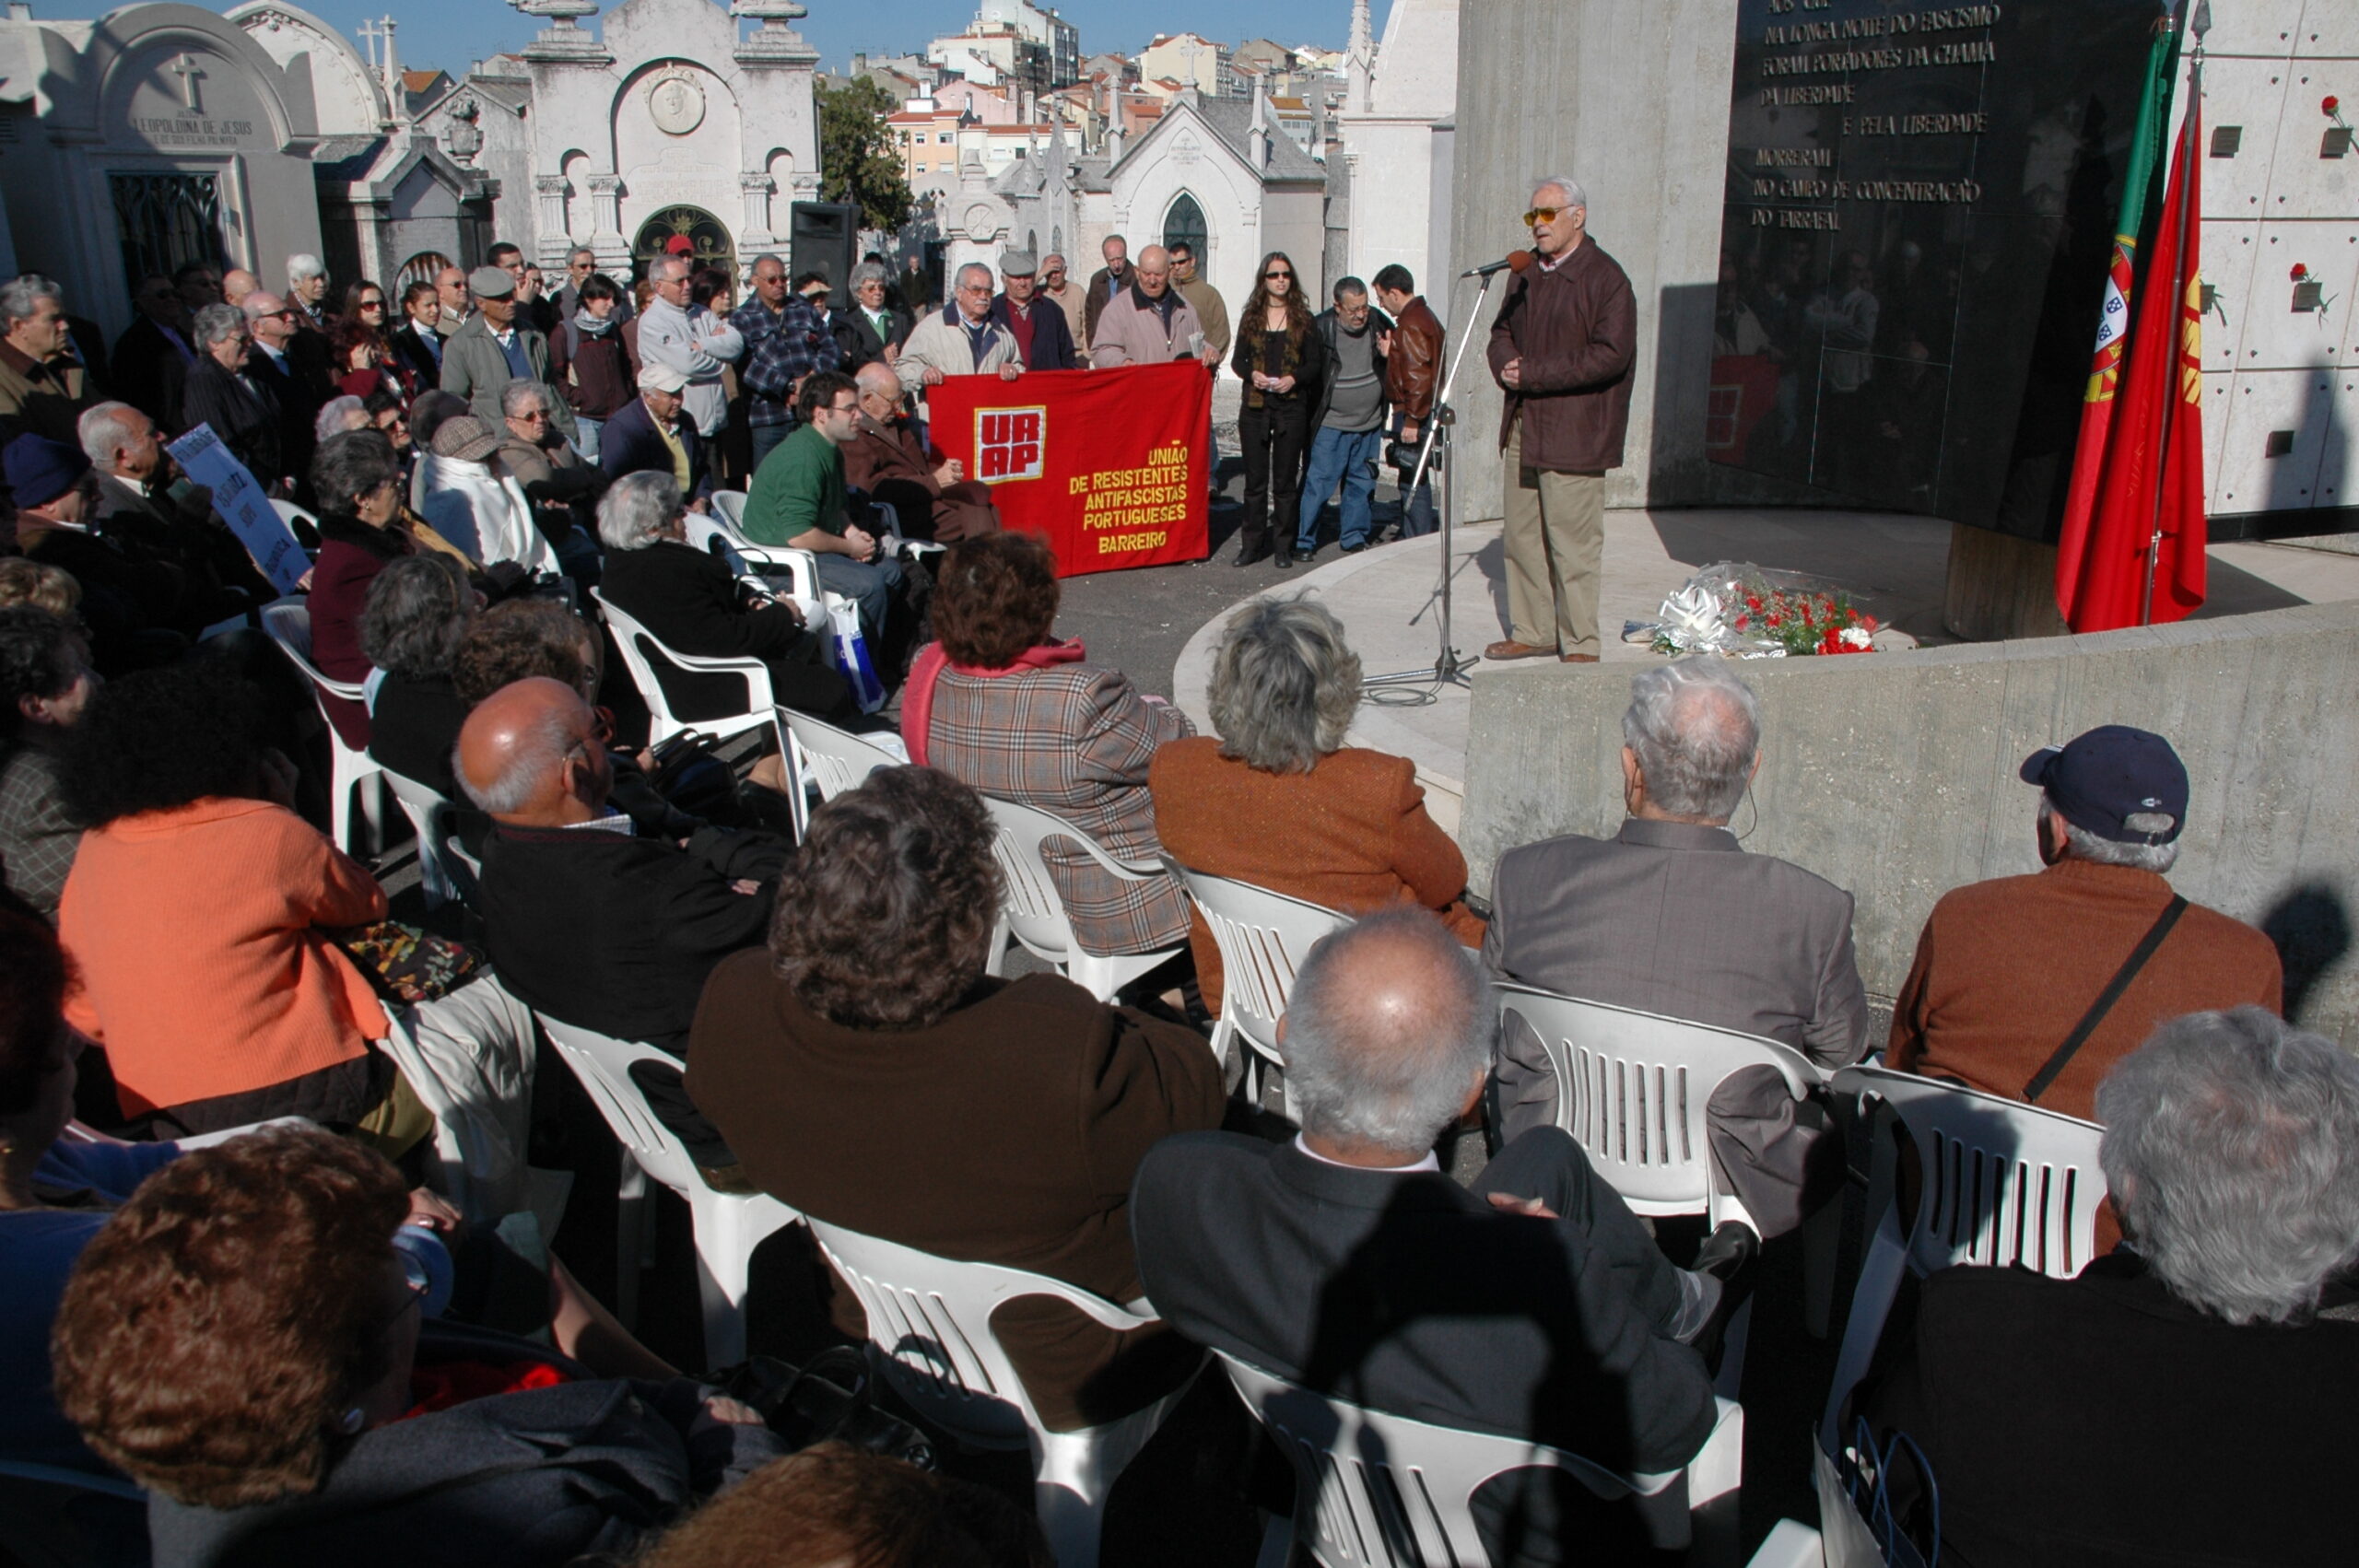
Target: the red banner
(1108, 465)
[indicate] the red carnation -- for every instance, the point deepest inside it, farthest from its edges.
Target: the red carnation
(2299, 272)
(2329, 104)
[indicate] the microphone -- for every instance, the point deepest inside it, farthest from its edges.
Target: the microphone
(1515, 261)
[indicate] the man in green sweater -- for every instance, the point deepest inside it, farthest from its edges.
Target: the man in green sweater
(798, 500)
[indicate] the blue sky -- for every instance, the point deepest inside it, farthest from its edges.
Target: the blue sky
(451, 33)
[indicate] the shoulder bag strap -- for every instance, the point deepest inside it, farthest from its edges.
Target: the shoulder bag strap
(2045, 1078)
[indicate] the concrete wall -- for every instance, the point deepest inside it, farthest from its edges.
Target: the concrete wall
(1631, 98)
(1894, 775)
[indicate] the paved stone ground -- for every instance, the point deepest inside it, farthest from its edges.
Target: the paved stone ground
(1139, 620)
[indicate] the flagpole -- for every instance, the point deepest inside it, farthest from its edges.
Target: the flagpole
(2200, 17)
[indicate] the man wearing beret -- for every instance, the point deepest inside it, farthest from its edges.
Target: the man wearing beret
(127, 601)
(2010, 990)
(496, 347)
(1043, 344)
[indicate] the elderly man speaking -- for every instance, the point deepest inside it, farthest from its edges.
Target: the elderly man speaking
(1561, 347)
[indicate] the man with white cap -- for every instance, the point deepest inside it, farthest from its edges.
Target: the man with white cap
(496, 347)
(2032, 987)
(652, 433)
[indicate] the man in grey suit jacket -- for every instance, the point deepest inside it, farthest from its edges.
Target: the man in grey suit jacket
(1535, 1306)
(497, 347)
(1672, 917)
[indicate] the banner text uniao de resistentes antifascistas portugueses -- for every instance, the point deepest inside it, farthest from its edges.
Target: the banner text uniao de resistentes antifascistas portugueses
(1108, 465)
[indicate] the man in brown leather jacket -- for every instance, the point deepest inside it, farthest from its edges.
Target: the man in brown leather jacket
(885, 460)
(1412, 372)
(1562, 347)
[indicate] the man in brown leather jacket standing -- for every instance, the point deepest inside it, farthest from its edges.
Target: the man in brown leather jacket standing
(1562, 347)
(1412, 371)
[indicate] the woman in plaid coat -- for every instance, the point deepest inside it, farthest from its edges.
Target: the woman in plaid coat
(1004, 707)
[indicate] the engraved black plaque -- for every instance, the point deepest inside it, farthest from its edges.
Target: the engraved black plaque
(1919, 218)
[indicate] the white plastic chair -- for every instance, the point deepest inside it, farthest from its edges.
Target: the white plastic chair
(1377, 1491)
(288, 622)
(1632, 1087)
(830, 759)
(719, 535)
(1264, 937)
(728, 1226)
(1034, 912)
(729, 506)
(2000, 1183)
(1790, 1544)
(641, 648)
(443, 870)
(931, 1319)
(291, 514)
(479, 1144)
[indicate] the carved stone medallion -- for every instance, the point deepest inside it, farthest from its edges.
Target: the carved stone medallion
(676, 105)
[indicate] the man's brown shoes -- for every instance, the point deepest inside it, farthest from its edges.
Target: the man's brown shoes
(1508, 648)
(1578, 657)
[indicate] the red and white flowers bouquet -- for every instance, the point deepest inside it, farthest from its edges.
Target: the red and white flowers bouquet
(1748, 611)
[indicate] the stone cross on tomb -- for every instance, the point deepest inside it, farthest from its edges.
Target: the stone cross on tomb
(190, 74)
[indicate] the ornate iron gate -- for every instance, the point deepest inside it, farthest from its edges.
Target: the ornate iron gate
(166, 221)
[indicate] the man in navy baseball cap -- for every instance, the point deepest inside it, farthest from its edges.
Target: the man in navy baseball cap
(42, 473)
(2116, 782)
(2032, 987)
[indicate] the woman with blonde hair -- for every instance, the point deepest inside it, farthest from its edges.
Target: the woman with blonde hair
(24, 581)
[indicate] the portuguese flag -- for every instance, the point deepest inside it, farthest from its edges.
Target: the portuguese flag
(2110, 511)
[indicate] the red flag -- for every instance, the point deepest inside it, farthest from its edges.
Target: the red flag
(2149, 148)
(2152, 473)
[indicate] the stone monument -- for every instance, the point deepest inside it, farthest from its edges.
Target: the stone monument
(155, 135)
(666, 121)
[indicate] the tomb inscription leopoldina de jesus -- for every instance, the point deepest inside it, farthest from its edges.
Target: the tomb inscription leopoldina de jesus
(1919, 214)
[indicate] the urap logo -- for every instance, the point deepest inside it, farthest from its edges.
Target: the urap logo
(1010, 443)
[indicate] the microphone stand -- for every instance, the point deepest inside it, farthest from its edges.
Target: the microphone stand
(1450, 668)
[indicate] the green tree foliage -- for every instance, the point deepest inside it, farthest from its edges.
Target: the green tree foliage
(859, 161)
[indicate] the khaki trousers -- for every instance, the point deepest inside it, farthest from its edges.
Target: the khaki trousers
(1555, 550)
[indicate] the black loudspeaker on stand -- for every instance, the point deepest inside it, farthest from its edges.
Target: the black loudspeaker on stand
(824, 237)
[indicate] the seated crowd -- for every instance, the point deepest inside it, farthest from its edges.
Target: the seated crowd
(342, 1336)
